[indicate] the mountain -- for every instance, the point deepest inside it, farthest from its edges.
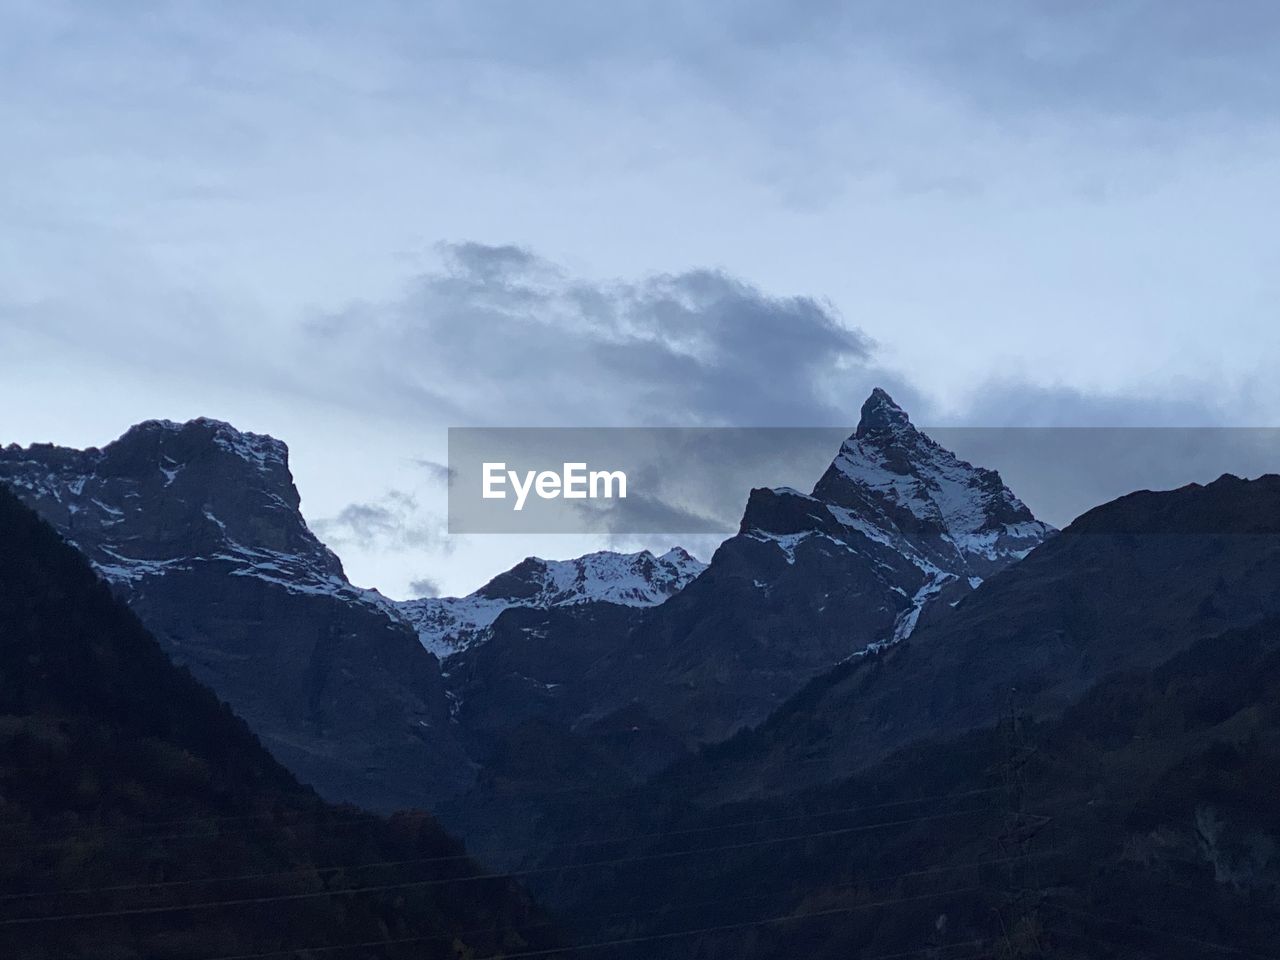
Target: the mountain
(1125, 587)
(141, 818)
(611, 666)
(197, 527)
(604, 695)
(447, 625)
(1140, 823)
(891, 490)
(954, 521)
(1078, 760)
(896, 525)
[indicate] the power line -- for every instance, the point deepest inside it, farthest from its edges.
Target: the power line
(349, 818)
(674, 774)
(324, 810)
(653, 938)
(306, 871)
(244, 901)
(910, 875)
(685, 905)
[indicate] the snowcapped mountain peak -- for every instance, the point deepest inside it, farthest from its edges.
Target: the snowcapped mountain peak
(169, 497)
(204, 434)
(446, 625)
(891, 472)
(881, 416)
(892, 491)
(682, 559)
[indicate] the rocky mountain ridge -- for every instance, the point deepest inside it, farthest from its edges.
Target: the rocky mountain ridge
(198, 527)
(895, 526)
(448, 625)
(636, 658)
(892, 489)
(166, 496)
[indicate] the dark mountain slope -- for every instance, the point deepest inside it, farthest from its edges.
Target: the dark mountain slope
(197, 526)
(1133, 645)
(134, 805)
(1141, 823)
(895, 525)
(1126, 586)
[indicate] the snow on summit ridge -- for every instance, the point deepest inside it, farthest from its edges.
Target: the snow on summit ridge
(890, 466)
(893, 486)
(166, 497)
(169, 498)
(447, 625)
(258, 448)
(880, 414)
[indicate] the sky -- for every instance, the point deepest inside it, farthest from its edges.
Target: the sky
(353, 226)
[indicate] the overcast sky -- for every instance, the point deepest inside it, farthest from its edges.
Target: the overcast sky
(353, 225)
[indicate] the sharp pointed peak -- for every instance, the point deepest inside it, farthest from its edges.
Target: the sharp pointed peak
(880, 414)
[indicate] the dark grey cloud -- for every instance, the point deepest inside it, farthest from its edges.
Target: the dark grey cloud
(436, 471)
(424, 587)
(393, 522)
(642, 511)
(499, 335)
(493, 262)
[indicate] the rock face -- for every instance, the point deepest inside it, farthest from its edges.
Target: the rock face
(448, 625)
(893, 490)
(197, 527)
(895, 524)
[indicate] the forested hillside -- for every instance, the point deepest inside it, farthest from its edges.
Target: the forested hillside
(139, 817)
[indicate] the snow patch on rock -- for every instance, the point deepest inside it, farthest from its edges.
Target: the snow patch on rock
(446, 625)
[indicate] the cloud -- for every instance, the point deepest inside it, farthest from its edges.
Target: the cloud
(1153, 59)
(424, 587)
(644, 511)
(1019, 403)
(1158, 57)
(436, 471)
(1071, 192)
(498, 335)
(394, 522)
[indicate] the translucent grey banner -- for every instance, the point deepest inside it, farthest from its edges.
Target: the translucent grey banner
(696, 480)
